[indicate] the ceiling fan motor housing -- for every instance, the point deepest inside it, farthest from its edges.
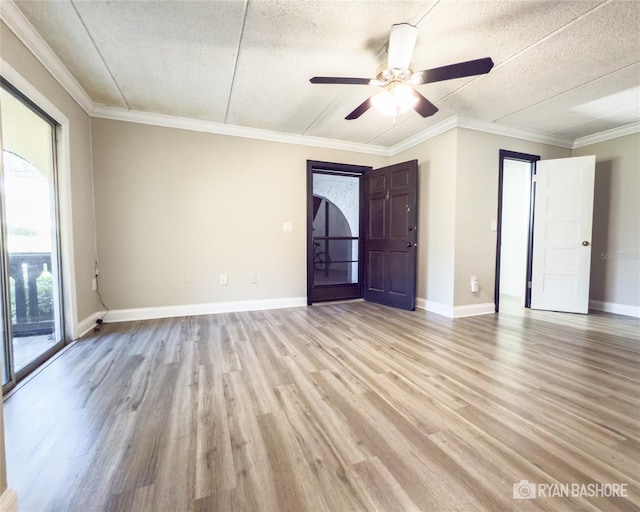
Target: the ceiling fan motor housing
(386, 76)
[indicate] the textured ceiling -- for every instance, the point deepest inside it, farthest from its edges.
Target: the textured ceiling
(563, 68)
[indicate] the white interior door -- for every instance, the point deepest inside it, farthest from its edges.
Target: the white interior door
(562, 234)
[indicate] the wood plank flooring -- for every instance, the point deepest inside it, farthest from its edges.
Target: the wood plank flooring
(341, 407)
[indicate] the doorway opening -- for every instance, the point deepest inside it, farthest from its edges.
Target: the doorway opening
(559, 209)
(334, 219)
(362, 229)
(514, 229)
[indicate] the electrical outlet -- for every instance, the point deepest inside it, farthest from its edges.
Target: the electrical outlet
(223, 279)
(287, 227)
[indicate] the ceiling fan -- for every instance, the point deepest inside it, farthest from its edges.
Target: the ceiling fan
(397, 79)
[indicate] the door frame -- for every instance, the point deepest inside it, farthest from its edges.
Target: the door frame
(343, 291)
(532, 159)
(60, 320)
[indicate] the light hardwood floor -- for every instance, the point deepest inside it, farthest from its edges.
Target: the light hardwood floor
(337, 407)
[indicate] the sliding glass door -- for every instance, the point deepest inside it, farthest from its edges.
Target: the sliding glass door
(31, 298)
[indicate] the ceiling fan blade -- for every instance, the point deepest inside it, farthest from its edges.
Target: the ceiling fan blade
(361, 109)
(339, 80)
(402, 41)
(459, 70)
(424, 107)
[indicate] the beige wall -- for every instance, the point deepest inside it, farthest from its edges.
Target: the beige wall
(437, 161)
(17, 55)
(477, 205)
(176, 205)
(458, 200)
(615, 264)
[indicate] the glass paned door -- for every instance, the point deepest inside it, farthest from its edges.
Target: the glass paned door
(32, 295)
(334, 260)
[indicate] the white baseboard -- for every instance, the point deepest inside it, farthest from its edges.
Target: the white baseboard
(457, 311)
(618, 309)
(126, 315)
(9, 500)
(485, 308)
(88, 323)
(434, 307)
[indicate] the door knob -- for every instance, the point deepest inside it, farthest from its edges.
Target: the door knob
(585, 243)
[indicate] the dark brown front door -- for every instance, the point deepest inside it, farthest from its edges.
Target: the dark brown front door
(390, 242)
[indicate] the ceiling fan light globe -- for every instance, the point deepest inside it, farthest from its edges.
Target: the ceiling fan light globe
(395, 101)
(383, 103)
(404, 96)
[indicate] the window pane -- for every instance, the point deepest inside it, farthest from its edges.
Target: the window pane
(336, 205)
(31, 230)
(335, 251)
(335, 273)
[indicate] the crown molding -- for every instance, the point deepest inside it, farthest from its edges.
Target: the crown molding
(425, 135)
(614, 133)
(516, 133)
(185, 123)
(13, 17)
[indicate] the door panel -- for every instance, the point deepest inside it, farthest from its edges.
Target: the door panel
(399, 220)
(377, 219)
(398, 270)
(562, 234)
(390, 238)
(376, 271)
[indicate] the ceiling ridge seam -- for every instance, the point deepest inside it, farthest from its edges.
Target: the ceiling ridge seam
(102, 59)
(235, 64)
(533, 45)
(567, 91)
(428, 11)
(311, 125)
(388, 130)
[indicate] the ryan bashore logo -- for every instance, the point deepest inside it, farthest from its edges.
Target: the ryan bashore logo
(525, 490)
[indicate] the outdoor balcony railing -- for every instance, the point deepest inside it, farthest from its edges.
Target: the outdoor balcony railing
(32, 293)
